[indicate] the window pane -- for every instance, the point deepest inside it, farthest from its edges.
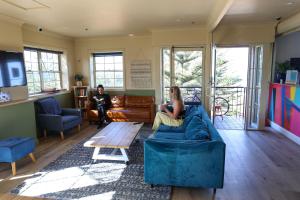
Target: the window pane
(109, 82)
(29, 77)
(118, 82)
(99, 66)
(56, 67)
(99, 81)
(48, 63)
(99, 75)
(28, 66)
(36, 77)
(44, 57)
(99, 59)
(119, 66)
(34, 56)
(109, 59)
(109, 67)
(109, 71)
(27, 56)
(55, 58)
(35, 66)
(109, 75)
(118, 74)
(118, 59)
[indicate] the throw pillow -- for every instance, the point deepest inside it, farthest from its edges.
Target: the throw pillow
(197, 129)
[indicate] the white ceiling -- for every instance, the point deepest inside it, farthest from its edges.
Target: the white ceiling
(261, 10)
(121, 17)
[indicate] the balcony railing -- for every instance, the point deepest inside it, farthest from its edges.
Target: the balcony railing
(235, 96)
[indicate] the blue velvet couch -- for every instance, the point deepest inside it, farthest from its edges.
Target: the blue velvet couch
(175, 156)
(51, 117)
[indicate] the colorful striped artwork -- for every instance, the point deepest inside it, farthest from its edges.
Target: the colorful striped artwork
(284, 107)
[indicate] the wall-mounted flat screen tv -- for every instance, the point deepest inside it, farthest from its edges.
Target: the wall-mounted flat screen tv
(12, 69)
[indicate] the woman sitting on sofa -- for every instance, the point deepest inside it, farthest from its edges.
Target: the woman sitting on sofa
(167, 117)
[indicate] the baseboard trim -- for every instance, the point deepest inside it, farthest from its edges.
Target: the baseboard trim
(285, 132)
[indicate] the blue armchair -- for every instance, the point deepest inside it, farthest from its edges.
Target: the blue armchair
(171, 158)
(51, 117)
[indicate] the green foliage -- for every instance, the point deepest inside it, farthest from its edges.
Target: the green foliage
(189, 72)
(282, 67)
(223, 78)
(78, 77)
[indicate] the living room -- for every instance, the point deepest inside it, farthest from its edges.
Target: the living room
(135, 34)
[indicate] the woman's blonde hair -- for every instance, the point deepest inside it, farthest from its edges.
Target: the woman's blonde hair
(176, 94)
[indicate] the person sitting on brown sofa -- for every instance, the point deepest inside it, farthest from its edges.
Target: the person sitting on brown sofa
(103, 103)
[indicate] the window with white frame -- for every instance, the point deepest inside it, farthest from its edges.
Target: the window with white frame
(108, 69)
(43, 70)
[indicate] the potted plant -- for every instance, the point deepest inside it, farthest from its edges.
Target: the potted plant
(78, 79)
(281, 69)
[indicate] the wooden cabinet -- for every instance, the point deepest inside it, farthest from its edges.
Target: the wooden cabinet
(81, 98)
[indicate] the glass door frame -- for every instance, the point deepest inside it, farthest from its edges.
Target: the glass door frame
(213, 74)
(252, 86)
(172, 67)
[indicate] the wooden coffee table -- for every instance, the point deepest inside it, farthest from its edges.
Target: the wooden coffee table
(117, 135)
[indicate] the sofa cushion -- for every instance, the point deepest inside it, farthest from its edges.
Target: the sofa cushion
(117, 101)
(187, 119)
(49, 106)
(169, 135)
(14, 148)
(124, 113)
(197, 129)
(139, 101)
(69, 118)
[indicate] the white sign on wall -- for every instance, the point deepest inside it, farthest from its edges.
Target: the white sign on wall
(141, 74)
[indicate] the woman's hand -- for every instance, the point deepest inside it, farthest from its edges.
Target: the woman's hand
(163, 107)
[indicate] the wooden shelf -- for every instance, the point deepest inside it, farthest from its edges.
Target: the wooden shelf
(81, 98)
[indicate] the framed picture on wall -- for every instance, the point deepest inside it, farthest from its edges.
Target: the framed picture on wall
(291, 77)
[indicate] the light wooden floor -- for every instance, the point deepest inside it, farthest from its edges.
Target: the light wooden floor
(259, 166)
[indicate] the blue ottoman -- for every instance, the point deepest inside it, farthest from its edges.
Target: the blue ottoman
(15, 148)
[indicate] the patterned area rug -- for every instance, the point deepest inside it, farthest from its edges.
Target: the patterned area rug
(74, 175)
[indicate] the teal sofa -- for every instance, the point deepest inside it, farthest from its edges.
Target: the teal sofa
(174, 156)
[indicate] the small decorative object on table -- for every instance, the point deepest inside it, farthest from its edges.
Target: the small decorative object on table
(4, 97)
(78, 79)
(291, 77)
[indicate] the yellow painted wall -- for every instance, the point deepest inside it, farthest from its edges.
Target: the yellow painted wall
(242, 34)
(11, 40)
(134, 48)
(48, 40)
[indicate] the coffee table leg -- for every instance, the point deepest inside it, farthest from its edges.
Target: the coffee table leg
(124, 155)
(95, 154)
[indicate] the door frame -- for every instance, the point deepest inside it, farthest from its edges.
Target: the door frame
(213, 84)
(172, 71)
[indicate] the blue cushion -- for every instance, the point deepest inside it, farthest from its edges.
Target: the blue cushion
(197, 129)
(182, 128)
(69, 118)
(49, 106)
(14, 148)
(169, 135)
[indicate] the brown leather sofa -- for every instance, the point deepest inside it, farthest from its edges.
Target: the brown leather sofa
(127, 109)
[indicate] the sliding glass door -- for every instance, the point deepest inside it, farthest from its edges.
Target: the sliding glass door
(183, 67)
(254, 87)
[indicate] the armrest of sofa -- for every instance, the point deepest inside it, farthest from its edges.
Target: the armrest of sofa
(50, 122)
(71, 111)
(184, 162)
